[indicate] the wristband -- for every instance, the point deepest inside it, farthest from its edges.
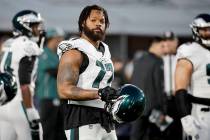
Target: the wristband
(183, 102)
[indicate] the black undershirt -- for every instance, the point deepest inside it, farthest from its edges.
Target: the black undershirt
(26, 67)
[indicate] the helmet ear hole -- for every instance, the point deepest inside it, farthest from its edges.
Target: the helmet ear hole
(129, 106)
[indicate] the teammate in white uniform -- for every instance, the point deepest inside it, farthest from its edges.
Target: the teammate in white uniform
(20, 59)
(193, 73)
(84, 77)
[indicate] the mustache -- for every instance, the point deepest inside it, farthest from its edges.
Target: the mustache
(97, 29)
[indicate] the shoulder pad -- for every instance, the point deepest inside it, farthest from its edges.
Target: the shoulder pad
(31, 49)
(7, 44)
(187, 51)
(27, 47)
(64, 46)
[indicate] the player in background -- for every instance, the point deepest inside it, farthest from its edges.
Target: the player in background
(192, 80)
(21, 61)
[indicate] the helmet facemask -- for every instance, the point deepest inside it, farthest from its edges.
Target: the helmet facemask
(113, 108)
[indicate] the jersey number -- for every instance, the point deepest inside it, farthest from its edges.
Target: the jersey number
(208, 72)
(7, 64)
(101, 74)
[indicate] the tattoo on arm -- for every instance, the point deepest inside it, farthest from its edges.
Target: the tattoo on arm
(67, 79)
(68, 74)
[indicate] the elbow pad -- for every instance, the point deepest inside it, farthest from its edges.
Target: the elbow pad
(183, 102)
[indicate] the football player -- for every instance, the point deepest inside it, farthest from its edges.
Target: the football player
(192, 80)
(84, 77)
(20, 60)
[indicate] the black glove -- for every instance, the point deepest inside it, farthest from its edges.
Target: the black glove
(108, 94)
(34, 126)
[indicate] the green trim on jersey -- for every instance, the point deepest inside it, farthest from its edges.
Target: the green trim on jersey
(100, 76)
(74, 134)
(8, 61)
(102, 72)
(208, 72)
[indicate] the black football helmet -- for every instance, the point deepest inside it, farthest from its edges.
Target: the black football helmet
(129, 106)
(199, 22)
(23, 21)
(8, 87)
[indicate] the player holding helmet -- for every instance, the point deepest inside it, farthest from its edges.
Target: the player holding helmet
(85, 66)
(193, 72)
(20, 60)
(128, 106)
(84, 78)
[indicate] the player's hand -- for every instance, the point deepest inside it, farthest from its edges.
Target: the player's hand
(108, 94)
(190, 125)
(34, 122)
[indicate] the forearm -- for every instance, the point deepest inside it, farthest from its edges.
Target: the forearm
(68, 77)
(25, 70)
(159, 89)
(76, 93)
(161, 99)
(27, 96)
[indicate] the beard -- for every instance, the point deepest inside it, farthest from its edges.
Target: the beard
(93, 35)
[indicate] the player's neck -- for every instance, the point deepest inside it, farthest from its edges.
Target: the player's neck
(94, 43)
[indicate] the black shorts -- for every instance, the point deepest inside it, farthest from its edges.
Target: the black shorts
(76, 116)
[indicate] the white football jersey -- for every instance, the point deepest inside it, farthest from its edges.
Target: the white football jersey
(18, 48)
(99, 72)
(200, 59)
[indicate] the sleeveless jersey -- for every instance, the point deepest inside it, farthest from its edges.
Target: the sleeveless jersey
(18, 48)
(99, 72)
(200, 59)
